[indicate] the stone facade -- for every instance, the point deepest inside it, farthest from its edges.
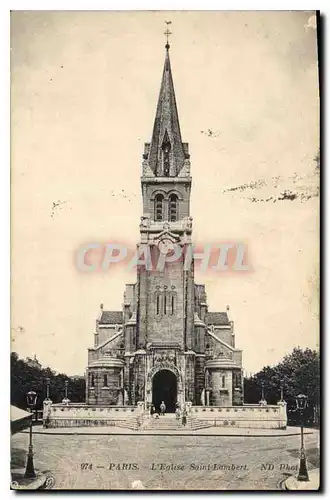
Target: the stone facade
(165, 344)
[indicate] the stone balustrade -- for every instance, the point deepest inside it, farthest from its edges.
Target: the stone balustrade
(246, 416)
(82, 415)
(249, 416)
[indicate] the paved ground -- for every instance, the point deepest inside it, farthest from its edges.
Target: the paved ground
(212, 431)
(199, 462)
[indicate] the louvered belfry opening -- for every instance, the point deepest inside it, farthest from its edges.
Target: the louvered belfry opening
(166, 148)
(173, 208)
(159, 207)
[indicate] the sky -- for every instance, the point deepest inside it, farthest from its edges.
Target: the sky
(84, 89)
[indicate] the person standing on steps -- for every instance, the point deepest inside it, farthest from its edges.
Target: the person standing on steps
(184, 416)
(162, 408)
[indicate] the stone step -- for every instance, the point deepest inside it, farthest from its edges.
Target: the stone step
(199, 424)
(158, 425)
(170, 423)
(129, 423)
(165, 423)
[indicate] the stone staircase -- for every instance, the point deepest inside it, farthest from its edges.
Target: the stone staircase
(133, 423)
(169, 423)
(196, 424)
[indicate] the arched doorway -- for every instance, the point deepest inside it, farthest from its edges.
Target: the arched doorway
(164, 388)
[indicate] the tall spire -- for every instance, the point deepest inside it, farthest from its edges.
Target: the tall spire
(166, 156)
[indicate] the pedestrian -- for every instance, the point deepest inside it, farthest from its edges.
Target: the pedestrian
(177, 413)
(184, 416)
(162, 408)
(152, 410)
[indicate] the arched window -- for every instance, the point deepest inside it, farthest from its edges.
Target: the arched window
(92, 380)
(172, 305)
(159, 202)
(158, 304)
(223, 381)
(105, 380)
(165, 303)
(173, 208)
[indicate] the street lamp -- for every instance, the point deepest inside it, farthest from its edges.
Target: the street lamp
(66, 401)
(301, 401)
(263, 402)
(47, 388)
(31, 399)
(281, 387)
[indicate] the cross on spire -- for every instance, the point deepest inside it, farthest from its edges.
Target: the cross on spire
(167, 33)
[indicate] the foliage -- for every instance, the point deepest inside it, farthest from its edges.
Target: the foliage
(25, 378)
(300, 372)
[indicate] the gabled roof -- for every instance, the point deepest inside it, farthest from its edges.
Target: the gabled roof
(217, 318)
(111, 339)
(216, 338)
(111, 318)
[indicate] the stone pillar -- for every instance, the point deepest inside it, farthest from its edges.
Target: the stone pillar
(203, 397)
(283, 414)
(46, 412)
(140, 405)
(126, 400)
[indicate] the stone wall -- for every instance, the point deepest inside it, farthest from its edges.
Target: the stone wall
(174, 281)
(171, 184)
(99, 393)
(249, 416)
(199, 378)
(82, 415)
(224, 334)
(221, 394)
(189, 378)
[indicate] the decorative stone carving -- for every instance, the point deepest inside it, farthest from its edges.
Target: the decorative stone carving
(164, 359)
(145, 221)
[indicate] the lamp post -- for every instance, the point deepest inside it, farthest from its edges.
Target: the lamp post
(47, 388)
(31, 398)
(301, 401)
(263, 402)
(66, 401)
(281, 387)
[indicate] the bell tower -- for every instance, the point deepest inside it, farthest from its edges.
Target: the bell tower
(165, 180)
(165, 296)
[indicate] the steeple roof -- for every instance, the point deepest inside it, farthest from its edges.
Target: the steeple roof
(166, 136)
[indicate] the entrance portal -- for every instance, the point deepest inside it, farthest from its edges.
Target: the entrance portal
(164, 388)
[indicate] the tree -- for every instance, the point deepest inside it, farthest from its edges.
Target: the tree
(300, 372)
(25, 378)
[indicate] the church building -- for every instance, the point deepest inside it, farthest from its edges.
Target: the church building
(165, 345)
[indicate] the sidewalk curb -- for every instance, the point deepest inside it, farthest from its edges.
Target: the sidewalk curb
(21, 484)
(292, 484)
